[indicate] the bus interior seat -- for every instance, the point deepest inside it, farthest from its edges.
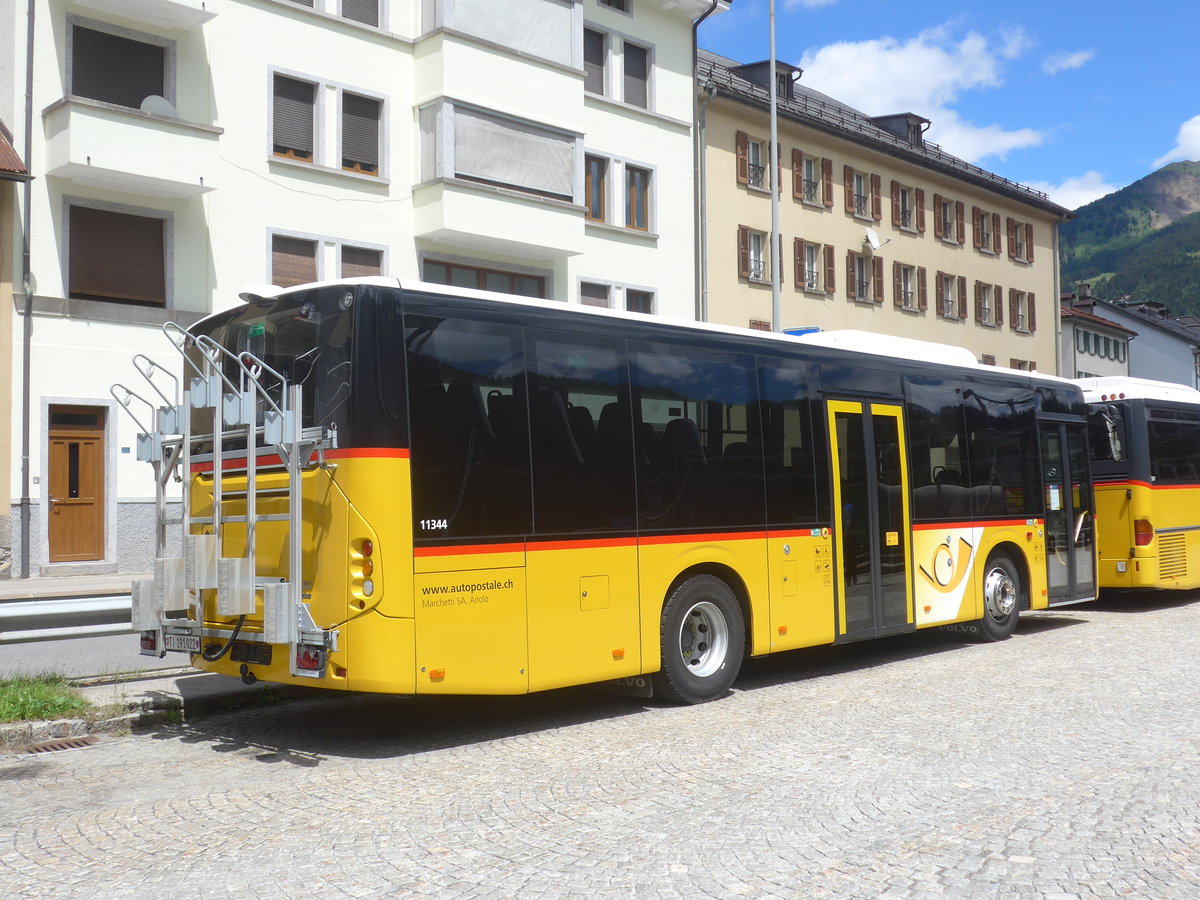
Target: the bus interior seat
(553, 429)
(583, 429)
(681, 445)
(465, 405)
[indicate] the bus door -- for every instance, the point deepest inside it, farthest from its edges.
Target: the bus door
(870, 518)
(1070, 536)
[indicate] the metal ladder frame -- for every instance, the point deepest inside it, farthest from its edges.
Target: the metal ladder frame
(172, 604)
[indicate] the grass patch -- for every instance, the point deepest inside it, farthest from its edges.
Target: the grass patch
(30, 697)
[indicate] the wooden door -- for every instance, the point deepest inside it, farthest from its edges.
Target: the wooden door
(76, 484)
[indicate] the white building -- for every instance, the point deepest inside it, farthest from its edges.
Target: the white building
(184, 148)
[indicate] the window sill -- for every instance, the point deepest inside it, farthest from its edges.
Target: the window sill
(328, 170)
(953, 242)
(766, 282)
(512, 193)
(859, 217)
(987, 251)
(868, 301)
(987, 324)
(648, 236)
(1021, 261)
(765, 191)
(641, 111)
(815, 204)
(914, 310)
(815, 292)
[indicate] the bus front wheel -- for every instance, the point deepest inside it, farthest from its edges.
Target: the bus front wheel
(703, 638)
(1001, 599)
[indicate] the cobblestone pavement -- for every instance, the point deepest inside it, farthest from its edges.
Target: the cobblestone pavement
(1062, 763)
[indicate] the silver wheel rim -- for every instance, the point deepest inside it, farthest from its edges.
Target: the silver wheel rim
(703, 639)
(999, 594)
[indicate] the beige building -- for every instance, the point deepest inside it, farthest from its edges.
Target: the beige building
(879, 230)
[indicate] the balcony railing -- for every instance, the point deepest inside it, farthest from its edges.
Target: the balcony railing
(811, 190)
(1019, 249)
(949, 308)
(949, 230)
(908, 300)
(862, 290)
(758, 269)
(758, 175)
(906, 218)
(862, 205)
(811, 281)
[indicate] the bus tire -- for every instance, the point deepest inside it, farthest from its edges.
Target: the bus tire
(702, 639)
(1002, 593)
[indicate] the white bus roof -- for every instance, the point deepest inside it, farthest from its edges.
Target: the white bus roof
(1122, 387)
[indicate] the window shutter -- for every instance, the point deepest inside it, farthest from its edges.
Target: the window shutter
(979, 301)
(895, 203)
(778, 260)
(358, 262)
(962, 296)
(593, 61)
(959, 216)
(1031, 301)
(293, 261)
(365, 11)
(996, 233)
(876, 198)
(360, 132)
(779, 169)
(939, 292)
(797, 174)
(897, 288)
(743, 157)
(743, 250)
(998, 305)
(851, 275)
(1012, 237)
(1012, 308)
(976, 227)
(116, 256)
(115, 69)
(920, 210)
(878, 279)
(1029, 242)
(848, 182)
(827, 182)
(293, 115)
(637, 75)
(937, 215)
(830, 266)
(922, 293)
(798, 251)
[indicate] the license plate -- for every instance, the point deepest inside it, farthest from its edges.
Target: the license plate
(183, 643)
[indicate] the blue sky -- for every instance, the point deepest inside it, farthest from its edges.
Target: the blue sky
(1074, 98)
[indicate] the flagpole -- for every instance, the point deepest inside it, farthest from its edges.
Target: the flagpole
(776, 250)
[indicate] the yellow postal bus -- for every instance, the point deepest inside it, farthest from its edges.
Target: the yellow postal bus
(1146, 457)
(457, 492)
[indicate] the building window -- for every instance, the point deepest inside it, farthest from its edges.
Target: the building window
(595, 56)
(948, 219)
(637, 198)
(360, 134)
(988, 359)
(814, 266)
(358, 262)
(1021, 311)
(812, 179)
(862, 193)
(293, 260)
(484, 279)
(595, 188)
(985, 228)
(908, 208)
(593, 294)
(639, 301)
(1020, 241)
(759, 325)
(637, 74)
(116, 256)
(1023, 365)
(864, 277)
(116, 69)
(951, 294)
(988, 308)
(753, 250)
(752, 159)
(619, 5)
(293, 118)
(908, 283)
(365, 11)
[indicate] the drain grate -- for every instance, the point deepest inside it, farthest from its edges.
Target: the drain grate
(61, 744)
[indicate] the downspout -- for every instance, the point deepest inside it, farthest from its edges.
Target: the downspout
(702, 214)
(27, 285)
(699, 239)
(1058, 310)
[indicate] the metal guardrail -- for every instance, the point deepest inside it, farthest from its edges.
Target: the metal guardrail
(23, 621)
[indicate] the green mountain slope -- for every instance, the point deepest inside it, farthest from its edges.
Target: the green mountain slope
(1140, 240)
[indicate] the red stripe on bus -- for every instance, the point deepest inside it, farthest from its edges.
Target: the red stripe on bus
(468, 549)
(582, 544)
(942, 526)
(697, 538)
(239, 462)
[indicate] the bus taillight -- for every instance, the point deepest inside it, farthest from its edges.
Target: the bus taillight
(1143, 532)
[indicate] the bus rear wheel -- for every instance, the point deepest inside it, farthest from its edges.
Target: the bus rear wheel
(703, 639)
(1001, 599)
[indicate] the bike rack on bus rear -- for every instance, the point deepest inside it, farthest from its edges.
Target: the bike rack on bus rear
(171, 605)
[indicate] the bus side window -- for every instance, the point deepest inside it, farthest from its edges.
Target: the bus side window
(783, 415)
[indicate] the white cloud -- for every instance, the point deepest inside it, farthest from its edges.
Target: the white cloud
(1075, 192)
(1187, 144)
(925, 75)
(1061, 62)
(1014, 42)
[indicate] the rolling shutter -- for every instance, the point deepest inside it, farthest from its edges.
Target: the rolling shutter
(365, 11)
(292, 112)
(637, 75)
(360, 132)
(116, 256)
(115, 69)
(293, 261)
(593, 61)
(360, 261)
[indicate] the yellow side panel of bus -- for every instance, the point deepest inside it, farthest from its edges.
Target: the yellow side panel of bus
(583, 614)
(802, 602)
(661, 561)
(471, 635)
(1115, 505)
(1172, 560)
(384, 651)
